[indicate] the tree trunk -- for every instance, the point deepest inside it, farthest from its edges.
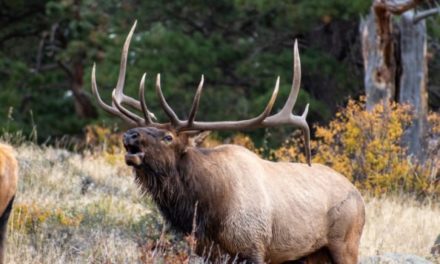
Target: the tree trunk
(395, 63)
(379, 59)
(83, 105)
(413, 78)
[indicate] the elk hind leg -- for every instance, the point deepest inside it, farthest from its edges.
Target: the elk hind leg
(346, 251)
(344, 238)
(3, 226)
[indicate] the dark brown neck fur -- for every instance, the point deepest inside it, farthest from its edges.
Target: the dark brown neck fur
(177, 190)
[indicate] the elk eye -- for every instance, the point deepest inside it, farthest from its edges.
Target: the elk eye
(167, 139)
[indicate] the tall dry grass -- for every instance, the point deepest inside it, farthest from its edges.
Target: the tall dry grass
(400, 224)
(77, 209)
(74, 208)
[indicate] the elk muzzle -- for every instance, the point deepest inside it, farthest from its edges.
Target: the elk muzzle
(131, 140)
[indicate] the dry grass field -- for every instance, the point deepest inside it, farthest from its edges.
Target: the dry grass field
(74, 208)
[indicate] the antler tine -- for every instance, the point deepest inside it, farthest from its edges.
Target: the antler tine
(123, 67)
(142, 101)
(166, 107)
(195, 105)
(306, 132)
(138, 120)
(272, 100)
(296, 82)
(105, 106)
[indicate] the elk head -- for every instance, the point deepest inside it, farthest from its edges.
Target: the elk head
(152, 141)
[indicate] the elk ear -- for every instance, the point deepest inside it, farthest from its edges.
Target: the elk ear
(196, 138)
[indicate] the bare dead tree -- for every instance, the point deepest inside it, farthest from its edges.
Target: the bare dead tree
(395, 60)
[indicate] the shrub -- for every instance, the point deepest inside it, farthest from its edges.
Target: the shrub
(101, 138)
(366, 147)
(27, 218)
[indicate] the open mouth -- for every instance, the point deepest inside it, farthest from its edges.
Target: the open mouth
(133, 149)
(134, 156)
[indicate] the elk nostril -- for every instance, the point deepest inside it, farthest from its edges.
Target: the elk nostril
(134, 135)
(131, 135)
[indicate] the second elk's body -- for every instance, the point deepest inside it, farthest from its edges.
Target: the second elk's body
(8, 187)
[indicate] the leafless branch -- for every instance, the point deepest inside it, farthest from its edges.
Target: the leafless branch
(48, 67)
(425, 14)
(52, 86)
(396, 7)
(66, 69)
(53, 30)
(40, 51)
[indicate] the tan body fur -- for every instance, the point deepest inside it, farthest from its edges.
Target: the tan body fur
(8, 186)
(281, 211)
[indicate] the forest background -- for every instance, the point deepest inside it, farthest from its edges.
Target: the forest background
(47, 49)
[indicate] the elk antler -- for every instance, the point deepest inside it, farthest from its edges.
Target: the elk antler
(118, 96)
(283, 117)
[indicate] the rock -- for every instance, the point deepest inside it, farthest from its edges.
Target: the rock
(395, 258)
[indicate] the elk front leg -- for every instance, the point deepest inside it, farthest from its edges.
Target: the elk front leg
(3, 226)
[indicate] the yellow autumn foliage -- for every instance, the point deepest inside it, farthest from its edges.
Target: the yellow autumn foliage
(101, 138)
(27, 218)
(366, 147)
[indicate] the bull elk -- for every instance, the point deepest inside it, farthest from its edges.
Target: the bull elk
(8, 186)
(254, 209)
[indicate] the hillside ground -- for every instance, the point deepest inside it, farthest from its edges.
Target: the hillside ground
(73, 208)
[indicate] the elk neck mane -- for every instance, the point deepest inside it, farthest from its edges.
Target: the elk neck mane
(195, 178)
